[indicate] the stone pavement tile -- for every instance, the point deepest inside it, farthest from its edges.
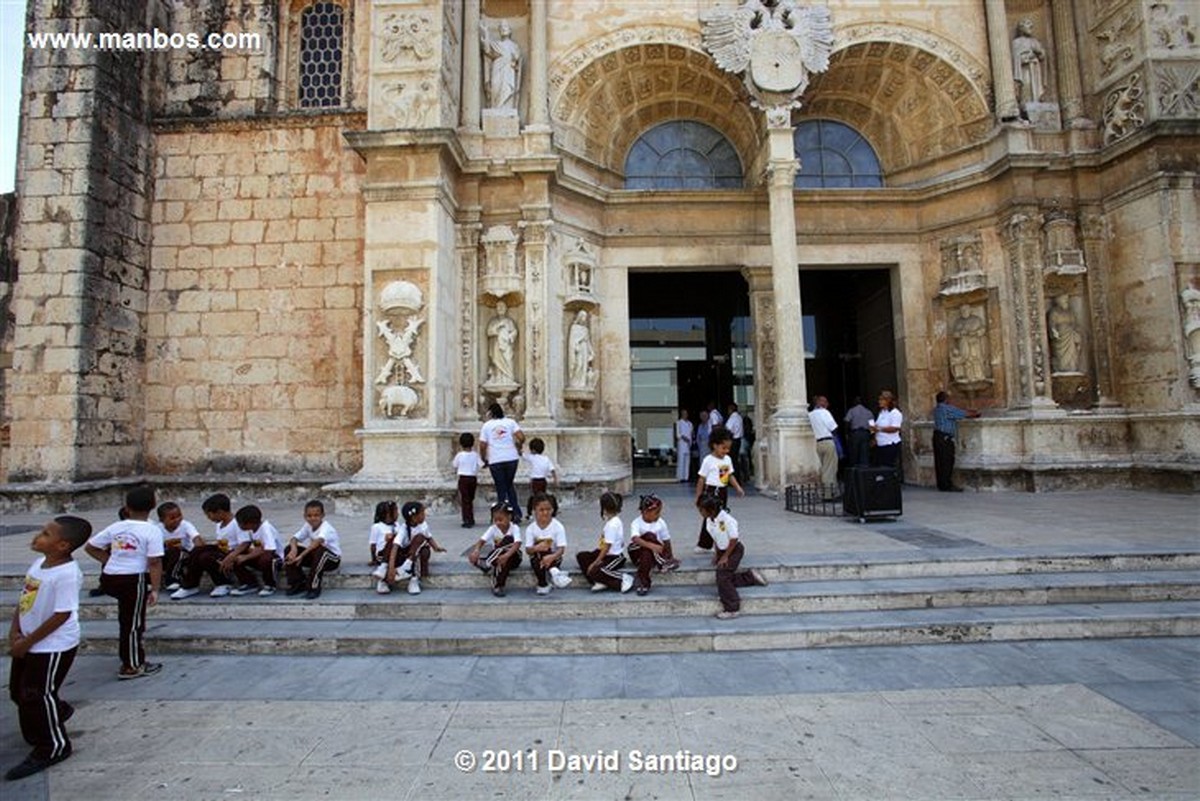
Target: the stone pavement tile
(810, 671)
(650, 676)
(1072, 697)
(373, 747)
(706, 674)
(1089, 664)
(872, 777)
(892, 669)
(952, 701)
(1184, 724)
(443, 782)
(489, 714)
(258, 746)
(796, 778)
(627, 713)
(659, 737)
(1043, 774)
(1099, 731)
(391, 715)
(479, 739)
(1164, 773)
(133, 743)
(216, 783)
(94, 781)
(1153, 696)
(1003, 664)
(625, 785)
(323, 783)
(975, 734)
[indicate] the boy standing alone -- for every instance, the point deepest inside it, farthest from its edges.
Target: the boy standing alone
(43, 639)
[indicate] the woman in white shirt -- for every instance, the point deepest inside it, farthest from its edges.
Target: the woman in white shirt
(500, 442)
(886, 428)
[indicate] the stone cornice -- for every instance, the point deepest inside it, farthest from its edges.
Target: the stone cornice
(355, 120)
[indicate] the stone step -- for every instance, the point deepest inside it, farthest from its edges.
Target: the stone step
(638, 634)
(449, 573)
(577, 602)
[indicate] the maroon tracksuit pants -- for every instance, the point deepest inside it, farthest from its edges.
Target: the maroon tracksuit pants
(609, 573)
(130, 591)
(646, 559)
(33, 683)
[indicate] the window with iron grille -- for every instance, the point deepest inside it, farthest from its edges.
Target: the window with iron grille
(322, 37)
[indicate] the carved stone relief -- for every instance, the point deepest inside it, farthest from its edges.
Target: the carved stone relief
(501, 272)
(970, 361)
(399, 325)
(1117, 42)
(962, 264)
(405, 38)
(1063, 256)
(1178, 89)
(1171, 26)
(409, 103)
(1190, 298)
(1124, 109)
(468, 255)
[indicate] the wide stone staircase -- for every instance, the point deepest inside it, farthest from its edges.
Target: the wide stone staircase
(819, 601)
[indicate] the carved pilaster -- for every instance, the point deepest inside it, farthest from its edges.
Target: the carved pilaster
(1095, 248)
(1021, 234)
(1070, 85)
(467, 255)
(1002, 67)
(536, 239)
(472, 67)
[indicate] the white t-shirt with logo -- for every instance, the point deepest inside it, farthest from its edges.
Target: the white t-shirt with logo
(45, 592)
(467, 463)
(131, 544)
(185, 532)
(228, 535)
(266, 536)
(493, 535)
(500, 435)
(614, 535)
(306, 536)
(554, 532)
(658, 528)
(723, 528)
(716, 472)
(540, 465)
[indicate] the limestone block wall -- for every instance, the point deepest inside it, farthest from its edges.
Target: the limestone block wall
(253, 348)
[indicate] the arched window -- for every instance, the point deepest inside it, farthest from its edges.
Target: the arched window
(833, 154)
(682, 154)
(322, 34)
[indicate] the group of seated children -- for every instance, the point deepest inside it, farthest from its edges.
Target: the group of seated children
(401, 552)
(246, 552)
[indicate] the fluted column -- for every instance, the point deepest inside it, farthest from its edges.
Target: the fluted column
(538, 65)
(1066, 48)
(794, 453)
(472, 67)
(1000, 43)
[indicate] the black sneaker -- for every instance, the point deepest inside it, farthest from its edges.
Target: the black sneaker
(498, 592)
(150, 668)
(95, 592)
(641, 589)
(297, 589)
(33, 765)
(313, 594)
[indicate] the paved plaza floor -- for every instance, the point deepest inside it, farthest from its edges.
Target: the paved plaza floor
(1076, 719)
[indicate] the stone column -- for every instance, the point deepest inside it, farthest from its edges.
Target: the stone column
(762, 321)
(1066, 48)
(1095, 254)
(467, 257)
(472, 67)
(1021, 233)
(538, 65)
(793, 452)
(539, 316)
(1000, 43)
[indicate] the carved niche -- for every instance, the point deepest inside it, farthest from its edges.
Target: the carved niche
(1063, 255)
(501, 276)
(962, 264)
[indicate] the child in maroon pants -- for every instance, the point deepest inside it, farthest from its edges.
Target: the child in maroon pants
(650, 543)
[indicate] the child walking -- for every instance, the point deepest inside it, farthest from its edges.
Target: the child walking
(43, 640)
(602, 567)
(650, 543)
(315, 546)
(383, 531)
(466, 465)
(540, 470)
(260, 552)
(546, 544)
(715, 477)
(723, 528)
(131, 553)
(179, 539)
(410, 551)
(503, 539)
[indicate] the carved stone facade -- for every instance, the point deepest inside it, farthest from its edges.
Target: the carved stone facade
(337, 292)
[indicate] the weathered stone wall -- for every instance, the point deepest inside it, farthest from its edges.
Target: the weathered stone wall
(254, 357)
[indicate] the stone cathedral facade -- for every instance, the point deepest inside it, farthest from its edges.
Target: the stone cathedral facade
(325, 254)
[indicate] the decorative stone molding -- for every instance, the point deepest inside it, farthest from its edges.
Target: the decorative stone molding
(1063, 256)
(1171, 27)
(1190, 299)
(660, 37)
(962, 265)
(501, 274)
(1178, 90)
(399, 326)
(1124, 109)
(467, 244)
(405, 38)
(944, 49)
(1118, 42)
(1020, 234)
(764, 325)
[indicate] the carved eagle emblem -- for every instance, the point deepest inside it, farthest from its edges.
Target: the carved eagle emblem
(776, 43)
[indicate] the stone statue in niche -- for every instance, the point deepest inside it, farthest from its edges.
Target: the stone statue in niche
(968, 347)
(1066, 340)
(1191, 332)
(400, 348)
(580, 354)
(502, 78)
(502, 343)
(1029, 64)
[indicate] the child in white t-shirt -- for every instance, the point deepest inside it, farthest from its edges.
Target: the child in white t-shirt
(131, 554)
(179, 538)
(383, 531)
(723, 528)
(650, 543)
(541, 470)
(315, 546)
(546, 544)
(602, 566)
(410, 552)
(43, 640)
(260, 551)
(503, 541)
(466, 466)
(716, 475)
(208, 555)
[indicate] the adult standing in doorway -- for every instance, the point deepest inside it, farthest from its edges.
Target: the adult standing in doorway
(945, 429)
(887, 431)
(858, 419)
(714, 416)
(736, 429)
(703, 430)
(683, 447)
(824, 430)
(500, 442)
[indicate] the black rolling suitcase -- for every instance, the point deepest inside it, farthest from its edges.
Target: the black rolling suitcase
(872, 492)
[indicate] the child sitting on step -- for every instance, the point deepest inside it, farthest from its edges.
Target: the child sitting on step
(315, 546)
(503, 540)
(260, 551)
(602, 566)
(546, 544)
(383, 531)
(650, 543)
(408, 558)
(179, 538)
(723, 528)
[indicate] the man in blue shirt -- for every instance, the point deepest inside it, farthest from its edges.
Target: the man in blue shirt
(945, 428)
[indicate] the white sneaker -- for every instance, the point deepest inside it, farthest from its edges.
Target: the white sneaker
(598, 587)
(414, 586)
(174, 585)
(266, 592)
(543, 590)
(560, 578)
(220, 591)
(698, 549)
(185, 592)
(244, 589)
(382, 587)
(380, 571)
(626, 582)
(405, 570)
